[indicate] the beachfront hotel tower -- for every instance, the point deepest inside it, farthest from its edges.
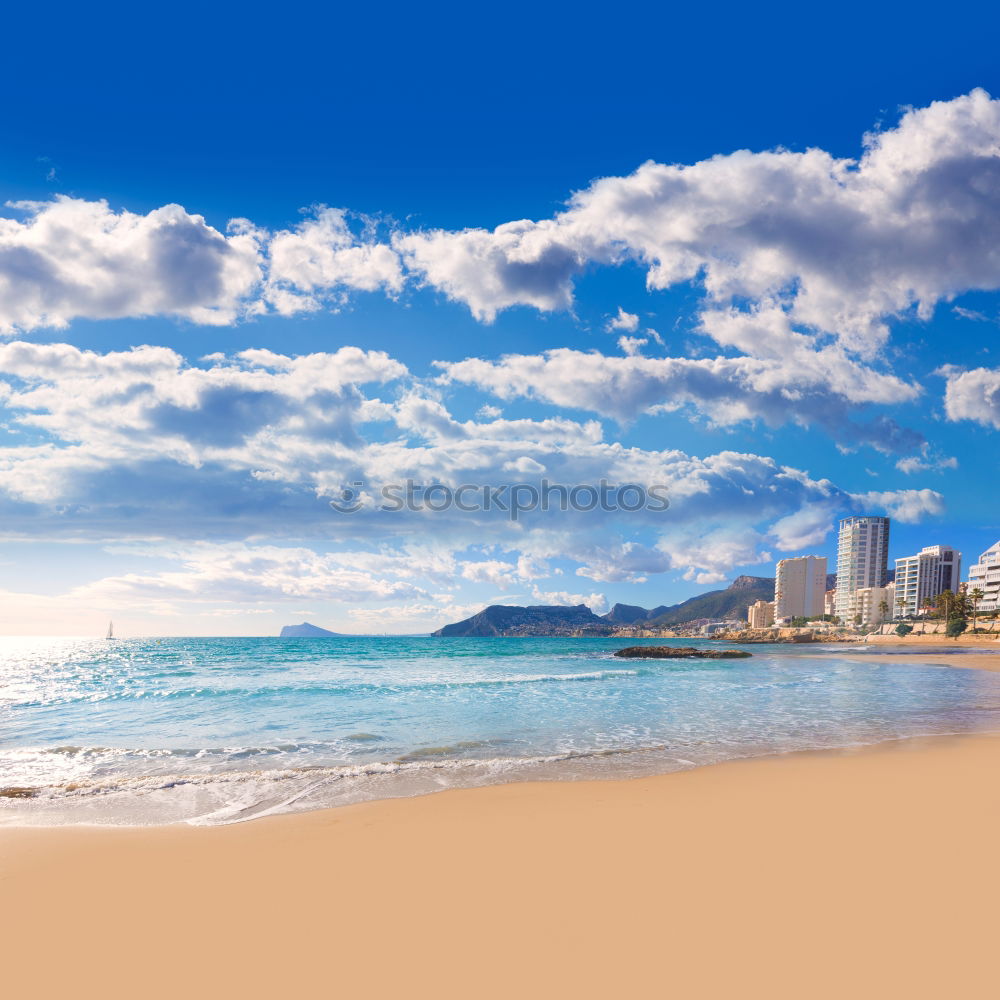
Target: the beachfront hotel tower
(799, 587)
(985, 576)
(922, 577)
(862, 559)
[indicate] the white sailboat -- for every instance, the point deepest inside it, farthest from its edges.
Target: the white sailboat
(111, 631)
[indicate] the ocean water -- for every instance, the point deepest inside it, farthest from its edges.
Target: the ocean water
(208, 731)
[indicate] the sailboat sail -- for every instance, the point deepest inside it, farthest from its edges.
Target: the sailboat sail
(111, 630)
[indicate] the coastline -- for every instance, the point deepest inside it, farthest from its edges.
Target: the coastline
(801, 874)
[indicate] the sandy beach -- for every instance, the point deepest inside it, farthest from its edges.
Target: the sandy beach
(865, 874)
(895, 654)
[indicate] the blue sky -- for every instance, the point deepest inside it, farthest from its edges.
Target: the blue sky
(782, 336)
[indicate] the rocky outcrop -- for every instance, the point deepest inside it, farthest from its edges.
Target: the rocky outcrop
(681, 653)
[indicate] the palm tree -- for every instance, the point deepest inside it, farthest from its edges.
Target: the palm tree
(975, 596)
(901, 604)
(946, 601)
(883, 609)
(962, 605)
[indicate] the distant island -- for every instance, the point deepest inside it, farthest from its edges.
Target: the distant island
(307, 631)
(548, 620)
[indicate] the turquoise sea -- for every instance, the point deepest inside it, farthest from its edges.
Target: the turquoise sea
(209, 731)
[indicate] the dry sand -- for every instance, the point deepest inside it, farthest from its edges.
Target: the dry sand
(860, 874)
(984, 640)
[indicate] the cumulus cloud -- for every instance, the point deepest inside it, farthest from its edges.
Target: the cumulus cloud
(840, 245)
(804, 528)
(798, 384)
(148, 404)
(139, 442)
(70, 258)
(802, 261)
(626, 321)
(837, 246)
(908, 506)
(973, 395)
(322, 255)
(632, 346)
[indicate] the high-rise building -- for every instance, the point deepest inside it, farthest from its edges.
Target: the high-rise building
(985, 576)
(799, 587)
(922, 577)
(862, 559)
(760, 614)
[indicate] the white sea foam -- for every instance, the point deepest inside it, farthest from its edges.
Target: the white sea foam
(222, 731)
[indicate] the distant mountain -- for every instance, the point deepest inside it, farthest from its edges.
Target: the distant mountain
(626, 614)
(729, 603)
(504, 619)
(306, 631)
(536, 620)
(720, 604)
(629, 614)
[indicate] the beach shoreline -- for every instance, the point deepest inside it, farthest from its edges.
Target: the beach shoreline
(748, 877)
(795, 874)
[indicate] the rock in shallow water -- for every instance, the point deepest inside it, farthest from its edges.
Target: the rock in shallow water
(681, 653)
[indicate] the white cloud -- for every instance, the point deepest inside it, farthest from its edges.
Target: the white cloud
(321, 255)
(973, 314)
(926, 463)
(797, 384)
(140, 443)
(598, 603)
(632, 346)
(908, 506)
(71, 258)
(804, 528)
(246, 574)
(629, 322)
(708, 557)
(973, 395)
(418, 617)
(252, 412)
(839, 245)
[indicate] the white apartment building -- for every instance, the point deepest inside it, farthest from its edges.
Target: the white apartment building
(873, 604)
(918, 578)
(985, 575)
(862, 559)
(800, 587)
(760, 614)
(830, 602)
(712, 627)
